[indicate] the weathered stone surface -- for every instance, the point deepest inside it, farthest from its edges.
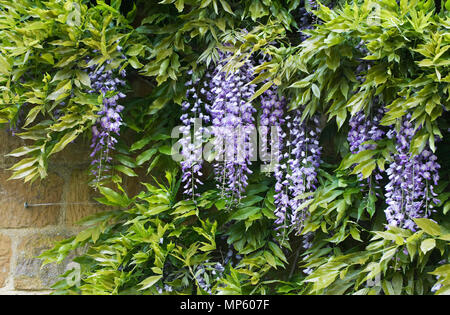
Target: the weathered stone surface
(14, 193)
(28, 274)
(7, 144)
(80, 198)
(5, 257)
(75, 155)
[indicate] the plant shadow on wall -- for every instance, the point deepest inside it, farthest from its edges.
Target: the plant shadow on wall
(350, 100)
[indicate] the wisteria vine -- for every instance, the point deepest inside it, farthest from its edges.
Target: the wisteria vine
(195, 111)
(410, 191)
(296, 173)
(106, 82)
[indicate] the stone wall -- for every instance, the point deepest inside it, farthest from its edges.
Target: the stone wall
(26, 232)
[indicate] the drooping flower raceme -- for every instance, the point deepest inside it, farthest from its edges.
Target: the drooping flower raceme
(296, 173)
(106, 82)
(271, 122)
(233, 123)
(195, 117)
(306, 19)
(409, 193)
(364, 65)
(363, 129)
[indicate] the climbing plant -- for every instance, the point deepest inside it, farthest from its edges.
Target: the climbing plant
(282, 147)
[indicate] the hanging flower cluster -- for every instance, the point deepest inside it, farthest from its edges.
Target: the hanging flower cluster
(206, 273)
(233, 122)
(106, 82)
(363, 129)
(272, 117)
(195, 111)
(409, 193)
(306, 18)
(296, 173)
(364, 65)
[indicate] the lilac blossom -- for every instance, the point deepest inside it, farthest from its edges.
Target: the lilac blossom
(307, 19)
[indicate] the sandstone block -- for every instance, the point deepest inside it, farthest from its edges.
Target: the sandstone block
(29, 273)
(5, 258)
(8, 143)
(14, 193)
(74, 155)
(80, 198)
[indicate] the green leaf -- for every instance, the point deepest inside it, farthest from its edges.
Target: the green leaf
(23, 151)
(83, 77)
(114, 197)
(158, 209)
(261, 90)
(126, 170)
(316, 90)
(270, 259)
(135, 50)
(355, 233)
(447, 204)
(62, 92)
(125, 160)
(226, 6)
(276, 250)
(387, 287)
(5, 67)
(149, 282)
(65, 140)
(145, 156)
(427, 245)
(179, 4)
(140, 144)
(429, 226)
(165, 149)
(244, 213)
(153, 164)
(397, 283)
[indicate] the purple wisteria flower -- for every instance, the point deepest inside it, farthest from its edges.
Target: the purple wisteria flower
(271, 117)
(363, 129)
(195, 112)
(364, 65)
(233, 123)
(410, 191)
(106, 82)
(296, 172)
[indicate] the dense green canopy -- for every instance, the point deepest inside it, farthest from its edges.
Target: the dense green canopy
(329, 62)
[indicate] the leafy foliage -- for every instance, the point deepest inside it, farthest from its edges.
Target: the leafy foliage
(160, 242)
